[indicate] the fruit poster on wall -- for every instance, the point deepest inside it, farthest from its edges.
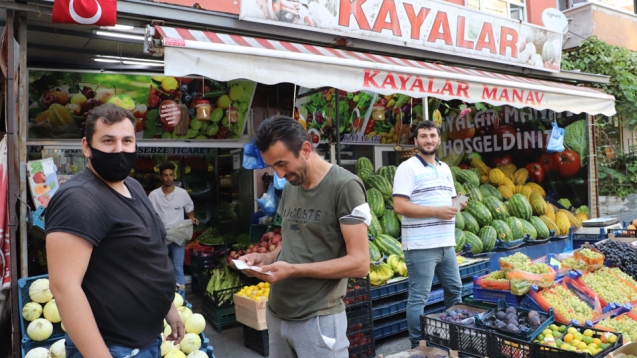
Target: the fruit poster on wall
(43, 181)
(164, 107)
(365, 117)
(514, 139)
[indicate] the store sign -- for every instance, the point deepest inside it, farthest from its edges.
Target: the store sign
(61, 101)
(421, 24)
(227, 6)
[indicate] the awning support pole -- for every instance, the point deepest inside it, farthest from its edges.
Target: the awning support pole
(338, 128)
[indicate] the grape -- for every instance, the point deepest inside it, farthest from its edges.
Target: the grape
(590, 254)
(604, 283)
(567, 304)
(621, 255)
(574, 264)
(623, 324)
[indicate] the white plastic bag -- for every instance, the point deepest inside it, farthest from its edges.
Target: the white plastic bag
(180, 233)
(556, 140)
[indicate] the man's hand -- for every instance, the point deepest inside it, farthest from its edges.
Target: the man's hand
(195, 221)
(279, 270)
(253, 259)
(176, 325)
(446, 212)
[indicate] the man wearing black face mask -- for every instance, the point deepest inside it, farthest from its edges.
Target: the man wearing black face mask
(108, 266)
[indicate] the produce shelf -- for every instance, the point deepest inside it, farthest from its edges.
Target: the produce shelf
(359, 319)
(24, 298)
(362, 344)
(390, 289)
(358, 291)
(390, 328)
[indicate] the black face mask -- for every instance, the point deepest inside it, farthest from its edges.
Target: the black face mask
(113, 167)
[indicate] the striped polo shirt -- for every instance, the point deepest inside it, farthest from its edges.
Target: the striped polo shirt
(425, 185)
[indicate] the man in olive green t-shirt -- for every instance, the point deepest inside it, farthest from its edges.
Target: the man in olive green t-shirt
(324, 229)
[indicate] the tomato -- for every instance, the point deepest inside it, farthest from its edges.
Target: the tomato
(547, 162)
(504, 160)
(567, 163)
(536, 172)
(357, 122)
(502, 130)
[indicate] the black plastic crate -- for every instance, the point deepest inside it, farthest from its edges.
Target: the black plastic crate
(358, 291)
(205, 260)
(361, 345)
(507, 347)
(469, 340)
(218, 311)
(542, 351)
(199, 281)
(359, 319)
(256, 340)
(221, 298)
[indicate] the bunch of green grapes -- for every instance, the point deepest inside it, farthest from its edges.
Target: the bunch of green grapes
(497, 276)
(574, 264)
(537, 269)
(623, 324)
(556, 303)
(516, 259)
(590, 254)
(605, 285)
(621, 274)
(581, 310)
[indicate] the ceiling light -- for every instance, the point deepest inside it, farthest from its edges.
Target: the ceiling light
(105, 60)
(119, 35)
(120, 58)
(117, 27)
(128, 62)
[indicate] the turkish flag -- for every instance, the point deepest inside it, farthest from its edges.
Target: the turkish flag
(85, 12)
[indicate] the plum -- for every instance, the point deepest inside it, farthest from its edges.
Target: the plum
(534, 321)
(500, 325)
(512, 328)
(501, 315)
(511, 310)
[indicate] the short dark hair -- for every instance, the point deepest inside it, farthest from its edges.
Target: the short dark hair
(166, 165)
(281, 129)
(109, 114)
(425, 125)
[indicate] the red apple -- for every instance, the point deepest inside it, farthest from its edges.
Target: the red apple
(263, 250)
(61, 96)
(39, 178)
(276, 240)
(228, 260)
(232, 253)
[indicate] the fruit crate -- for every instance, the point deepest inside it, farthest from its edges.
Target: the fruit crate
(390, 289)
(220, 315)
(200, 261)
(476, 269)
(361, 345)
(23, 298)
(542, 351)
(359, 319)
(494, 296)
(256, 340)
(507, 347)
(220, 298)
(472, 302)
(466, 339)
(390, 328)
(199, 282)
(524, 335)
(389, 309)
(358, 291)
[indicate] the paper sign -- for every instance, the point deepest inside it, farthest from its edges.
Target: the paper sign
(459, 200)
(244, 266)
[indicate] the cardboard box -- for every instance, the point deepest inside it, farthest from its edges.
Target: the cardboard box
(628, 349)
(251, 313)
(423, 349)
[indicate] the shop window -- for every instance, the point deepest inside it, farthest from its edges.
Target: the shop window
(514, 9)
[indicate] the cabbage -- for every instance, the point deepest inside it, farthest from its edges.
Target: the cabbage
(575, 139)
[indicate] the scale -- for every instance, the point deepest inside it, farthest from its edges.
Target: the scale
(593, 226)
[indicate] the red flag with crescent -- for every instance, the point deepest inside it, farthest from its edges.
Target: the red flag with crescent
(85, 12)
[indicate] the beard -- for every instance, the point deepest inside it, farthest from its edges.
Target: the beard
(297, 178)
(423, 151)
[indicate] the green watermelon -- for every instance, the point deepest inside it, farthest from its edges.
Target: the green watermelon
(489, 190)
(475, 194)
(380, 183)
(390, 223)
(488, 235)
(479, 212)
(387, 172)
(496, 207)
(455, 170)
(376, 201)
(375, 228)
(470, 223)
(467, 176)
(365, 174)
(520, 207)
(389, 203)
(459, 221)
(529, 229)
(503, 230)
(474, 240)
(460, 240)
(540, 227)
(388, 245)
(517, 229)
(374, 253)
(460, 188)
(363, 162)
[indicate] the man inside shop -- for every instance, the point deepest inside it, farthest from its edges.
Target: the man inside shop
(108, 269)
(324, 241)
(423, 192)
(170, 203)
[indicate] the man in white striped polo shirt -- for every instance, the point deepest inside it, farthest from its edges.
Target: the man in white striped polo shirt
(423, 191)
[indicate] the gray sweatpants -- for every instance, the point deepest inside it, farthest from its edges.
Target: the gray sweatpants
(316, 337)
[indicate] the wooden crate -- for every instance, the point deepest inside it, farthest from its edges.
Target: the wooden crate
(250, 313)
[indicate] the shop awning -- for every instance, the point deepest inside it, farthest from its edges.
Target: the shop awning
(227, 57)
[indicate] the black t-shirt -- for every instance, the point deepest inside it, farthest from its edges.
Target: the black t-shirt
(129, 281)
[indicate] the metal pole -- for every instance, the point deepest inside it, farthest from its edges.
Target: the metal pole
(338, 128)
(22, 141)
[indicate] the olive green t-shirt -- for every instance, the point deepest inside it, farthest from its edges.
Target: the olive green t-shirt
(310, 230)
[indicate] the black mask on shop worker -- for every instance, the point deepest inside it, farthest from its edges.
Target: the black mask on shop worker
(113, 167)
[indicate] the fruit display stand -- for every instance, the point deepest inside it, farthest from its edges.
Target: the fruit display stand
(544, 351)
(461, 336)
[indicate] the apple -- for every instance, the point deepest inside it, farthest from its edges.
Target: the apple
(103, 94)
(88, 92)
(276, 240)
(233, 253)
(263, 250)
(90, 104)
(250, 246)
(78, 99)
(39, 178)
(229, 260)
(62, 97)
(122, 100)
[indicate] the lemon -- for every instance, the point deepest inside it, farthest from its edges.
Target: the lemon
(261, 285)
(575, 342)
(582, 345)
(587, 339)
(553, 327)
(546, 332)
(572, 330)
(612, 339)
(588, 333)
(597, 341)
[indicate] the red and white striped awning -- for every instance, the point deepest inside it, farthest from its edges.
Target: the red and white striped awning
(227, 57)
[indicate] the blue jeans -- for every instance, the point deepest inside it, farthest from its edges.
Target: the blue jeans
(176, 254)
(421, 265)
(153, 350)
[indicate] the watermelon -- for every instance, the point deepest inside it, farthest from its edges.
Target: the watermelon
(380, 183)
(529, 229)
(488, 235)
(467, 176)
(374, 253)
(390, 223)
(496, 207)
(387, 172)
(376, 201)
(365, 174)
(387, 245)
(460, 240)
(479, 212)
(459, 221)
(455, 170)
(474, 240)
(490, 190)
(363, 162)
(389, 203)
(503, 230)
(470, 223)
(475, 194)
(540, 227)
(460, 188)
(520, 207)
(375, 228)
(517, 229)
